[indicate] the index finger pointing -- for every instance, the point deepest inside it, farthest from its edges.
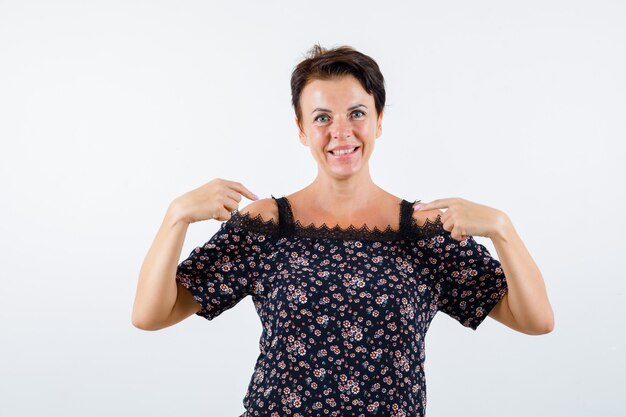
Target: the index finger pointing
(243, 190)
(435, 204)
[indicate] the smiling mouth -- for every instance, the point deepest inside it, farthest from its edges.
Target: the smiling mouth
(344, 152)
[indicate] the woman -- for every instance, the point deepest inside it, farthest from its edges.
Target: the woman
(345, 276)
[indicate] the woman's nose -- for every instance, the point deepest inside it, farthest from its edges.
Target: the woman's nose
(341, 128)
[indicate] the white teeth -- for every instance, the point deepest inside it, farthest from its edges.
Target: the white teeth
(343, 152)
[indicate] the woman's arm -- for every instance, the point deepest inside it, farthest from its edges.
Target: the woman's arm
(527, 298)
(157, 291)
(525, 306)
(158, 302)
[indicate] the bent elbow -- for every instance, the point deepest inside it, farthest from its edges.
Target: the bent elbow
(142, 324)
(549, 327)
(545, 328)
(549, 324)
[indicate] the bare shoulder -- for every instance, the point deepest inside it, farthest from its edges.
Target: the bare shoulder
(265, 207)
(420, 216)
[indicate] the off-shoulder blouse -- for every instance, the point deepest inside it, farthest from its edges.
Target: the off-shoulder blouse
(344, 311)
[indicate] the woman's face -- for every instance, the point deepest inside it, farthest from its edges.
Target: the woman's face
(339, 113)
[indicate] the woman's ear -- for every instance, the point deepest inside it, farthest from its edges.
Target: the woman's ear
(379, 128)
(301, 134)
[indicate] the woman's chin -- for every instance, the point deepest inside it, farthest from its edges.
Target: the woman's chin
(344, 170)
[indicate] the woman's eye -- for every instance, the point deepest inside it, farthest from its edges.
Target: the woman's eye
(324, 118)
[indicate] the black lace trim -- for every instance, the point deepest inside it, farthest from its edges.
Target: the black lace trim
(255, 224)
(409, 229)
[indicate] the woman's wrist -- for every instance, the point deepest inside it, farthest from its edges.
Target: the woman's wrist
(504, 227)
(175, 215)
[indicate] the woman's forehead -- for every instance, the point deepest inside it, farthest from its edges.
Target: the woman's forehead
(345, 91)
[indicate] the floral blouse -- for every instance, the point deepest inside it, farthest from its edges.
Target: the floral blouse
(344, 312)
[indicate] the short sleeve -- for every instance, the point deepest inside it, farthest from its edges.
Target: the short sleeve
(472, 281)
(220, 272)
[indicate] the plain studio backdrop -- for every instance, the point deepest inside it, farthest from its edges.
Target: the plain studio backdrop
(109, 110)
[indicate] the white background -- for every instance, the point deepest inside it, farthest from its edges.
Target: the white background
(109, 110)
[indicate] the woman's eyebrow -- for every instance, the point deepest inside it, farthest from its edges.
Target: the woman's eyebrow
(349, 108)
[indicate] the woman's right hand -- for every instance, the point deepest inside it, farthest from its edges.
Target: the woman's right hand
(214, 200)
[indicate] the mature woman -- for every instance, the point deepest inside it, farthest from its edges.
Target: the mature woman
(345, 276)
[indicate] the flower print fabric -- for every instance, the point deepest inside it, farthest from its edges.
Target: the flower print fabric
(473, 281)
(344, 312)
(219, 273)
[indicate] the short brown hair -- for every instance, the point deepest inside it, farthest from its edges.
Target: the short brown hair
(323, 64)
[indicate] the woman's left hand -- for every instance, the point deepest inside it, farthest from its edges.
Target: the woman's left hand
(465, 218)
